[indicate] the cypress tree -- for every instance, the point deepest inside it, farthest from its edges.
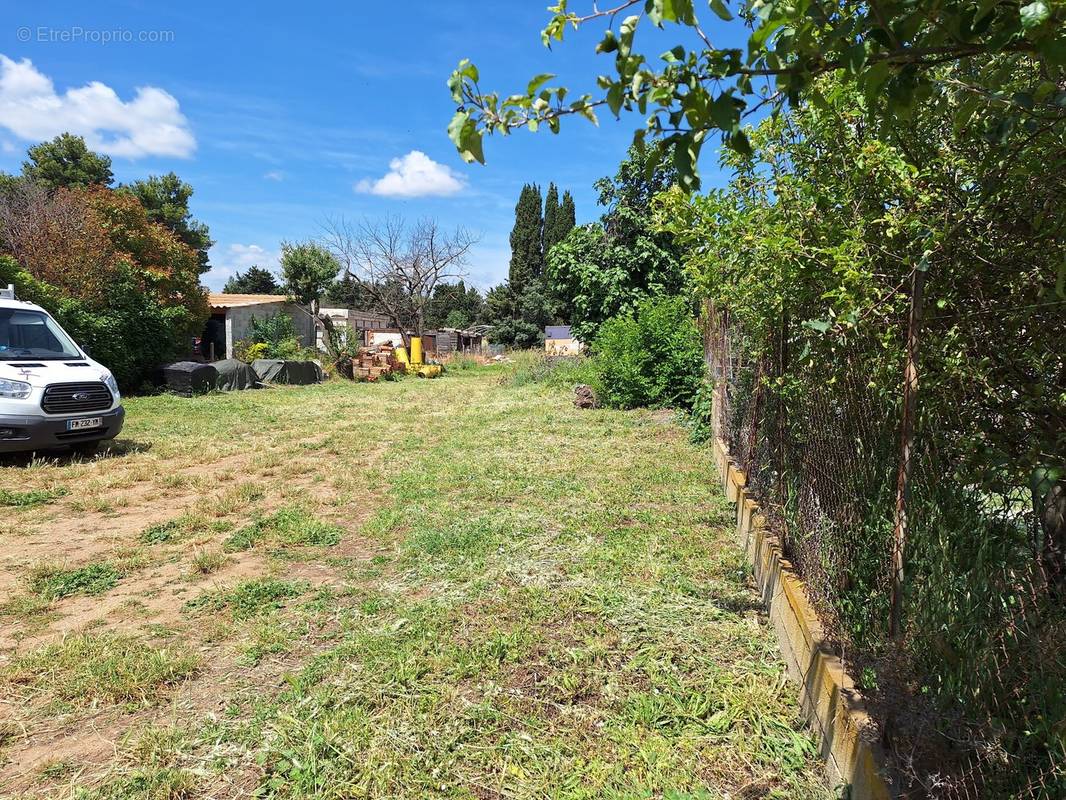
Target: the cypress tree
(527, 255)
(551, 218)
(567, 218)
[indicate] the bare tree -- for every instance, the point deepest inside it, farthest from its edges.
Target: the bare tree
(399, 265)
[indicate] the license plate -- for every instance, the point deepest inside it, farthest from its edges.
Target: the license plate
(85, 424)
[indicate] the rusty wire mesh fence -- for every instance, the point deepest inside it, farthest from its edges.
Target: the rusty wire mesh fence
(968, 695)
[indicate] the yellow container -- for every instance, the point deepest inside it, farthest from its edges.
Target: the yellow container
(416, 350)
(401, 356)
(429, 371)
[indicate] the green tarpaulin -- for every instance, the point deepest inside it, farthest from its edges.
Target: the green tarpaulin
(234, 375)
(293, 372)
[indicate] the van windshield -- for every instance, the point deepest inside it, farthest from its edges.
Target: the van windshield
(31, 334)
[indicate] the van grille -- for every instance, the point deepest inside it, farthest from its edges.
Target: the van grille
(73, 398)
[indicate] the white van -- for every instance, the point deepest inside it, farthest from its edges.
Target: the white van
(51, 393)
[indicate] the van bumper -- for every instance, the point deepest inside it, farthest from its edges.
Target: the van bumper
(19, 434)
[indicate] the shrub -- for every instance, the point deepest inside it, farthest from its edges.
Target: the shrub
(248, 351)
(277, 333)
(701, 417)
(653, 357)
(131, 333)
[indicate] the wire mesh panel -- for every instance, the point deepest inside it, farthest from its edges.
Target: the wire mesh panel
(969, 697)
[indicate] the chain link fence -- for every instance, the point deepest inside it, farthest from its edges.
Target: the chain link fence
(968, 692)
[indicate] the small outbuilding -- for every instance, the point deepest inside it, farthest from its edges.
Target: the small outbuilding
(559, 341)
(232, 313)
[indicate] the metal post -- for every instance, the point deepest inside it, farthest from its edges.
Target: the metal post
(906, 450)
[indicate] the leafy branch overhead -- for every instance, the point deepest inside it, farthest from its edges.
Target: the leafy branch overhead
(889, 48)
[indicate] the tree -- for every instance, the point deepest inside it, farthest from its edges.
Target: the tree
(454, 305)
(551, 217)
(347, 292)
(308, 269)
(601, 270)
(890, 50)
(126, 288)
(566, 219)
(812, 253)
(58, 238)
(652, 356)
(399, 265)
(559, 218)
(166, 199)
(67, 161)
(527, 253)
(254, 280)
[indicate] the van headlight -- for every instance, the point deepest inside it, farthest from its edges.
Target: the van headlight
(111, 383)
(14, 390)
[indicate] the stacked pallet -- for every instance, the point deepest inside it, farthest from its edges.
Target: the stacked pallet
(374, 362)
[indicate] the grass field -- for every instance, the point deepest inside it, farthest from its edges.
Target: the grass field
(461, 588)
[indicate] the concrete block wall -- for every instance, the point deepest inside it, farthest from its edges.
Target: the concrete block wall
(238, 318)
(828, 696)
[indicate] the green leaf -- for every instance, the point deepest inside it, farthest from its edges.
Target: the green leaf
(626, 32)
(608, 44)
(855, 57)
(468, 70)
(614, 98)
(462, 73)
(819, 325)
(719, 8)
(724, 112)
(739, 142)
(1054, 50)
(537, 82)
(1034, 14)
(463, 132)
(686, 153)
(874, 77)
(659, 11)
(1060, 284)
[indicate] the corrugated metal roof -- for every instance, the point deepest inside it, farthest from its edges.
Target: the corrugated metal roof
(240, 300)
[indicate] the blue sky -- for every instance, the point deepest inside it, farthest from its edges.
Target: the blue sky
(283, 114)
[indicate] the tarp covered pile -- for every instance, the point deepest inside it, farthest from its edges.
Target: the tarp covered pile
(297, 373)
(234, 375)
(190, 377)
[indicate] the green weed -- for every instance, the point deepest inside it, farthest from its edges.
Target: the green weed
(249, 598)
(161, 533)
(35, 497)
(55, 583)
(291, 526)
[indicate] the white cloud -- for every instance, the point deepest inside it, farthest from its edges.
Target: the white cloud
(274, 175)
(236, 257)
(414, 175)
(151, 124)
